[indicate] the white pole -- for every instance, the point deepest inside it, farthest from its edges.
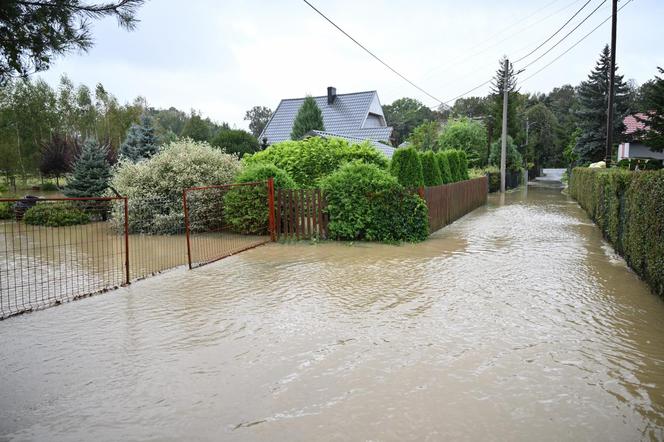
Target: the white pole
(503, 147)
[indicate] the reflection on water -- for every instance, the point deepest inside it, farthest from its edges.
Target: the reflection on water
(516, 322)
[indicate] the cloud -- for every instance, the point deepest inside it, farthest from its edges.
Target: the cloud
(222, 58)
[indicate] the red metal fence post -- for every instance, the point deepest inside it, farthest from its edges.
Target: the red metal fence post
(126, 239)
(270, 205)
(186, 225)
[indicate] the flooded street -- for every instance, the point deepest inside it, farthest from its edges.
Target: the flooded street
(516, 322)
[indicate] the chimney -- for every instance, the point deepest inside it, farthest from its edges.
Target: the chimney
(331, 94)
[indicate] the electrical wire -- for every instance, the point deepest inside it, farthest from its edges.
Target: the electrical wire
(566, 35)
(403, 77)
(573, 46)
(555, 33)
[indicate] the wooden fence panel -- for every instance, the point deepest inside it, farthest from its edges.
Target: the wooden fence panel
(300, 214)
(449, 202)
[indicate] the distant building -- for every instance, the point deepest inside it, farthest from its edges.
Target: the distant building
(632, 148)
(355, 117)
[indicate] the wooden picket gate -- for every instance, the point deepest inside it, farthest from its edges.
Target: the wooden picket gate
(300, 214)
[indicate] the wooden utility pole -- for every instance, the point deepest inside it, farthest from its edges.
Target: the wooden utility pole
(503, 143)
(612, 81)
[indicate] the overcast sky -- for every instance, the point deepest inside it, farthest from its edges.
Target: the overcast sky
(223, 57)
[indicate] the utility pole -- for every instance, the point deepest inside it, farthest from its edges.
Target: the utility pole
(503, 143)
(612, 81)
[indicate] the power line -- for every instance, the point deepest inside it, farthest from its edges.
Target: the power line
(555, 33)
(468, 91)
(372, 54)
(566, 35)
(573, 46)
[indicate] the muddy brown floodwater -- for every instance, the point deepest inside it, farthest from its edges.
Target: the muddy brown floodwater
(515, 323)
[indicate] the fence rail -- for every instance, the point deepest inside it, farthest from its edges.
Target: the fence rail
(212, 233)
(450, 202)
(43, 264)
(300, 214)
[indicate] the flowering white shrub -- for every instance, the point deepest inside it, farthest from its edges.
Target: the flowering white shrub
(154, 186)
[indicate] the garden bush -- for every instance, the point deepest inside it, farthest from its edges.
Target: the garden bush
(455, 165)
(154, 186)
(463, 164)
(514, 160)
(49, 187)
(430, 169)
(309, 160)
(467, 135)
(406, 166)
(246, 207)
(55, 215)
(365, 202)
(444, 165)
(6, 211)
(628, 207)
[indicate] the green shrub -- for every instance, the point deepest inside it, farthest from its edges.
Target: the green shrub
(154, 186)
(514, 160)
(309, 160)
(467, 135)
(463, 165)
(444, 165)
(366, 203)
(406, 166)
(455, 165)
(430, 169)
(55, 215)
(628, 207)
(49, 187)
(6, 211)
(246, 207)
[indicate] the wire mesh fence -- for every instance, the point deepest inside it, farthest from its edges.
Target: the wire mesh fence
(224, 220)
(58, 249)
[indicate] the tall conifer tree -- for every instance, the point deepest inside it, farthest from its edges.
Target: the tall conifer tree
(91, 172)
(140, 142)
(308, 118)
(593, 106)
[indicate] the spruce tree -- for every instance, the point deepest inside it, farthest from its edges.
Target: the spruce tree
(308, 118)
(593, 105)
(497, 89)
(653, 98)
(141, 141)
(91, 172)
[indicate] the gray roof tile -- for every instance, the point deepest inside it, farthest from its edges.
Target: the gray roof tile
(344, 117)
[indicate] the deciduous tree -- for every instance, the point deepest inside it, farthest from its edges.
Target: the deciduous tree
(258, 116)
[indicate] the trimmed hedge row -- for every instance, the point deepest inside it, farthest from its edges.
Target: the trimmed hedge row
(629, 209)
(413, 169)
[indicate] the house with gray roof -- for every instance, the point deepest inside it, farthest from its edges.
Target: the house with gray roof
(355, 117)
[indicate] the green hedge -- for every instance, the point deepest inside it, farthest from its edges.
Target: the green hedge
(430, 169)
(311, 159)
(366, 203)
(55, 215)
(6, 211)
(245, 207)
(444, 165)
(629, 209)
(463, 165)
(455, 166)
(406, 167)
